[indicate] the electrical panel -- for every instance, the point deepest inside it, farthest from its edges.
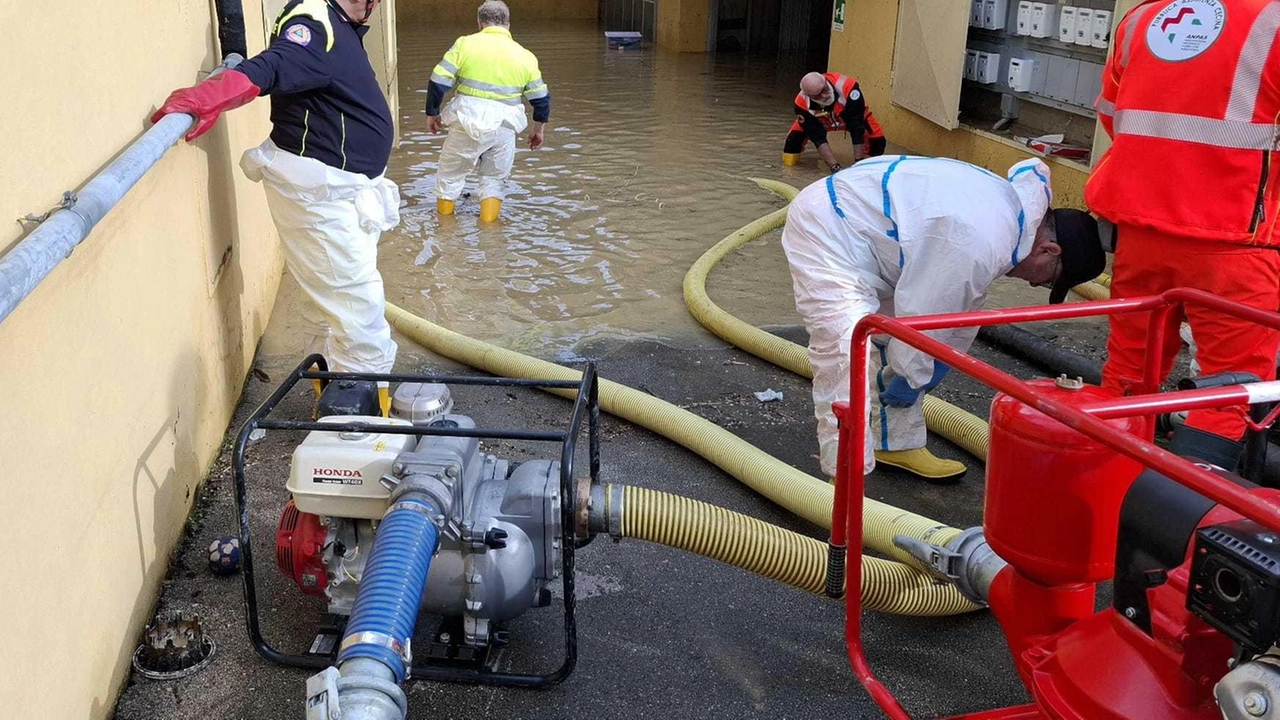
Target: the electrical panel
(1048, 53)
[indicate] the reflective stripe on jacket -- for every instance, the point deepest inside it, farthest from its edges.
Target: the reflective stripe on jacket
(489, 64)
(1191, 98)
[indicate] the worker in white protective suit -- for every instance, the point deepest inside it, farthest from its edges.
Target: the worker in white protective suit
(490, 72)
(906, 236)
(323, 172)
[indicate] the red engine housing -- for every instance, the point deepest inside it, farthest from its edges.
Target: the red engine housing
(300, 539)
(1053, 496)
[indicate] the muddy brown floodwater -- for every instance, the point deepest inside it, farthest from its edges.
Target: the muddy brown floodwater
(646, 164)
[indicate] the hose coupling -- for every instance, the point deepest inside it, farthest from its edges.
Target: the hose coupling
(604, 514)
(966, 561)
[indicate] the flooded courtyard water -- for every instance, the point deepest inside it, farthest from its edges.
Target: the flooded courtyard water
(646, 165)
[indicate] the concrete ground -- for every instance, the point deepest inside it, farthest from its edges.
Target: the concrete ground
(662, 633)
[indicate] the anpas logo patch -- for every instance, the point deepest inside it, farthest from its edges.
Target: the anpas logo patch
(1185, 28)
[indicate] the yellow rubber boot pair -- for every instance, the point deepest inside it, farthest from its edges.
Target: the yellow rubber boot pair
(445, 207)
(924, 464)
(790, 159)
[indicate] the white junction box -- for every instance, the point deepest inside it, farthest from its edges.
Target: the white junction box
(988, 70)
(970, 64)
(1024, 18)
(1044, 20)
(1101, 28)
(1021, 74)
(336, 474)
(975, 13)
(1087, 83)
(1084, 26)
(1039, 72)
(995, 14)
(1067, 24)
(1060, 84)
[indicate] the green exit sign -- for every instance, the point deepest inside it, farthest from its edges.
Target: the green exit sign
(837, 22)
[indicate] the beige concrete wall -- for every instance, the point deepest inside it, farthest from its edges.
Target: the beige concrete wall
(434, 11)
(682, 24)
(865, 50)
(121, 371)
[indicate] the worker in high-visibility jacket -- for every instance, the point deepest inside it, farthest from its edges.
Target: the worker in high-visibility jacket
(831, 102)
(490, 72)
(1191, 99)
(323, 172)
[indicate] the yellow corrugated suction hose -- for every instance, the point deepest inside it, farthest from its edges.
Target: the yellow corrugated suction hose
(774, 552)
(801, 493)
(962, 428)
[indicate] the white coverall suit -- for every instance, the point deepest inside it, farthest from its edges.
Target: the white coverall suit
(481, 131)
(330, 221)
(901, 236)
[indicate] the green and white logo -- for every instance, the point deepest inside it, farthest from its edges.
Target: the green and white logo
(1185, 28)
(837, 22)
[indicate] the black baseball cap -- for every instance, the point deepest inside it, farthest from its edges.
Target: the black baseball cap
(1083, 257)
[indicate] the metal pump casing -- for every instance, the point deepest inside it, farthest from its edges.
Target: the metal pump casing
(499, 541)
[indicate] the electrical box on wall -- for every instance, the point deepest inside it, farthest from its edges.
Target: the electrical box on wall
(976, 10)
(1067, 25)
(995, 14)
(1024, 18)
(988, 69)
(1021, 74)
(970, 64)
(1044, 20)
(1101, 28)
(1084, 26)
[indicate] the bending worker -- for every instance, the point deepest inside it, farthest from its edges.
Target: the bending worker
(831, 102)
(322, 169)
(1207, 220)
(491, 71)
(915, 236)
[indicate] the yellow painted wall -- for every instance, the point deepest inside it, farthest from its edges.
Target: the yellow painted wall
(682, 24)
(121, 371)
(437, 11)
(865, 50)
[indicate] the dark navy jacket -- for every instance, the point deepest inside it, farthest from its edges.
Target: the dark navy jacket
(326, 102)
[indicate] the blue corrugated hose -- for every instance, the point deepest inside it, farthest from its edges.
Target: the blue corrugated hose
(391, 587)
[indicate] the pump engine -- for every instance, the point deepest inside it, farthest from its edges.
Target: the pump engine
(499, 541)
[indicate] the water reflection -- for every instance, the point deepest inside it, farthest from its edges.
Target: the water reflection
(644, 168)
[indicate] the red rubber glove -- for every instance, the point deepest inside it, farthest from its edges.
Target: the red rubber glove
(208, 100)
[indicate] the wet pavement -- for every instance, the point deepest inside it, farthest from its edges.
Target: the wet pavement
(597, 234)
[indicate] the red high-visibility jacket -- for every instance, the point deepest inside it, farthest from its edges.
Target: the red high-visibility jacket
(847, 92)
(1191, 98)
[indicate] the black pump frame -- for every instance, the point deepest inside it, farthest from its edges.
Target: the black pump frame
(586, 404)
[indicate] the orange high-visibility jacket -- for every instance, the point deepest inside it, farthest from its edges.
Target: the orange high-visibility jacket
(833, 119)
(1191, 98)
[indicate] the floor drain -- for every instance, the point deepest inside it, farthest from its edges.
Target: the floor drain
(173, 646)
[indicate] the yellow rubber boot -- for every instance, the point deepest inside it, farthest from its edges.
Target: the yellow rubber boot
(489, 209)
(384, 398)
(790, 159)
(444, 207)
(922, 463)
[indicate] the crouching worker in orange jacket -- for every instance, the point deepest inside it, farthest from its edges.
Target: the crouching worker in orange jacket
(1189, 183)
(831, 102)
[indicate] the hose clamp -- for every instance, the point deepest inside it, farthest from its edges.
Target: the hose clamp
(401, 649)
(415, 507)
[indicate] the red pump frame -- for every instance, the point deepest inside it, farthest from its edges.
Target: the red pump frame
(846, 515)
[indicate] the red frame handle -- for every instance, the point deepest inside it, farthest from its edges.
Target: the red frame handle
(846, 512)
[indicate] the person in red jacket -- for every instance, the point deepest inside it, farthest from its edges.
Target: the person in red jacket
(1191, 99)
(831, 102)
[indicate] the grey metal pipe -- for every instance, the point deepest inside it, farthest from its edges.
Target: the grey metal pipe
(24, 267)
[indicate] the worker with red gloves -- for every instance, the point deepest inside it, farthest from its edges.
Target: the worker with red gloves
(831, 102)
(1191, 99)
(322, 169)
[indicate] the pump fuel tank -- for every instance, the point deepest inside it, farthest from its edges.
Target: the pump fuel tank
(1053, 496)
